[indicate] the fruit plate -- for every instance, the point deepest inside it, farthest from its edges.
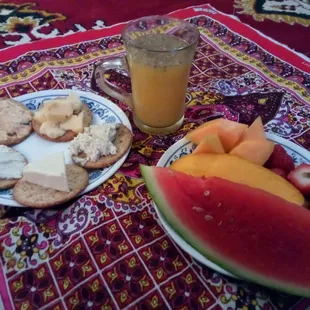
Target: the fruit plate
(184, 147)
(34, 147)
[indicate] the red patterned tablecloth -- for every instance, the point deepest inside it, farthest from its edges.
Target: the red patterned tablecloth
(108, 250)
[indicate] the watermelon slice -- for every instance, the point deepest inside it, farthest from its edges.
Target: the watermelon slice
(249, 232)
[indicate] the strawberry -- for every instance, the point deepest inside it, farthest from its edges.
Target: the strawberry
(300, 178)
(280, 159)
(280, 172)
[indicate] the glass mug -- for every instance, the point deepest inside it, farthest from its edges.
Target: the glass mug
(159, 54)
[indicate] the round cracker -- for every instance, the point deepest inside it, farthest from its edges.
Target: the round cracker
(122, 142)
(9, 183)
(36, 196)
(14, 139)
(69, 134)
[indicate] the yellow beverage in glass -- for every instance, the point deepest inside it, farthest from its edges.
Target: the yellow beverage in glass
(159, 53)
(159, 99)
(158, 80)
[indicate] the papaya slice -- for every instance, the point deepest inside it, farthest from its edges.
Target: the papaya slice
(238, 170)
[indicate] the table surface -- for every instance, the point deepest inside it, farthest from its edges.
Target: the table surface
(108, 250)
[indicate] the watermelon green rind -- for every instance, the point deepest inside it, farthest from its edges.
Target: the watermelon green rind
(158, 196)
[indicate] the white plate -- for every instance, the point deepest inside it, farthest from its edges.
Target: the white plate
(184, 147)
(34, 147)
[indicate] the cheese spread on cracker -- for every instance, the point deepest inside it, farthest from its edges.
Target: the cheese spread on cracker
(12, 163)
(95, 141)
(14, 120)
(59, 115)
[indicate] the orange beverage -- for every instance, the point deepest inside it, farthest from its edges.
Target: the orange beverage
(159, 100)
(158, 80)
(159, 53)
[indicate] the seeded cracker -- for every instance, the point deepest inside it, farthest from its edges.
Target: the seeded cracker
(122, 142)
(7, 184)
(36, 196)
(69, 135)
(14, 138)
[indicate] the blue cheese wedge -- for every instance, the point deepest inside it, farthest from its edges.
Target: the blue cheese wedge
(49, 172)
(11, 163)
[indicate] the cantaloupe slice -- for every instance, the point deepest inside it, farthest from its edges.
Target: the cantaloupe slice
(255, 131)
(236, 169)
(199, 133)
(210, 144)
(256, 151)
(229, 132)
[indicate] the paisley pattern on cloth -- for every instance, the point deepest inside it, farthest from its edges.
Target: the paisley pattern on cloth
(289, 11)
(27, 21)
(107, 250)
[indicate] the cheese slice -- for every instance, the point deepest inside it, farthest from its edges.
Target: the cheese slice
(56, 117)
(49, 172)
(57, 110)
(74, 123)
(52, 130)
(40, 116)
(75, 100)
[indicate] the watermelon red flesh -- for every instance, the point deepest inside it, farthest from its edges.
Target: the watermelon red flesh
(247, 231)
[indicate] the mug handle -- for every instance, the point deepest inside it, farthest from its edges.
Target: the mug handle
(114, 91)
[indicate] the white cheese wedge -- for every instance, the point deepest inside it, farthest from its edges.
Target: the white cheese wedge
(49, 172)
